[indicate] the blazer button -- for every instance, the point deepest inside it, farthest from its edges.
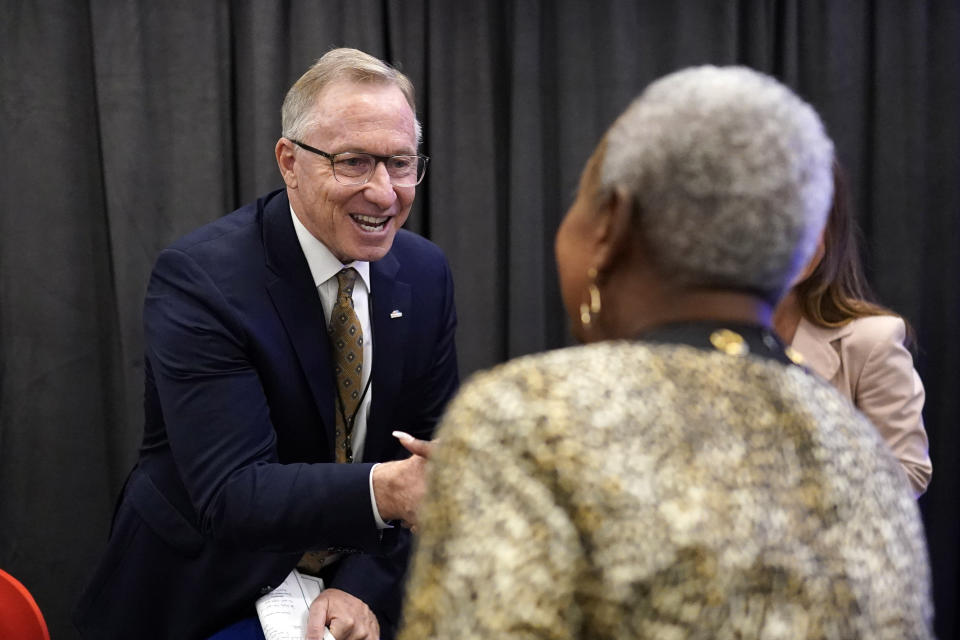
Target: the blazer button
(265, 590)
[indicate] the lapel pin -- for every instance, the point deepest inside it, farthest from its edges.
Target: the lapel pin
(396, 313)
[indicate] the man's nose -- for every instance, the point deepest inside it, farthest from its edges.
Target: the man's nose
(379, 189)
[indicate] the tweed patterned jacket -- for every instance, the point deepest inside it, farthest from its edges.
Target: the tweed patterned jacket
(632, 490)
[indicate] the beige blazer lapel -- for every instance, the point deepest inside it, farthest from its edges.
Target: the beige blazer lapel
(820, 348)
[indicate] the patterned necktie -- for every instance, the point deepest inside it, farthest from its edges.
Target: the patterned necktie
(346, 337)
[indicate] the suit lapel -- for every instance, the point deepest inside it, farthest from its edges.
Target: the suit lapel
(816, 345)
(298, 305)
(391, 314)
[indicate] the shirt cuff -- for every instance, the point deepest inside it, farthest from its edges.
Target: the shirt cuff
(373, 504)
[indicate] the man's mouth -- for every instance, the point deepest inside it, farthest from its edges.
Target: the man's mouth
(370, 223)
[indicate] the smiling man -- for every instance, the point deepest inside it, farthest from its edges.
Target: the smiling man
(284, 343)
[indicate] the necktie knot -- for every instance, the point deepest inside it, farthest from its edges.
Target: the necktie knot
(346, 278)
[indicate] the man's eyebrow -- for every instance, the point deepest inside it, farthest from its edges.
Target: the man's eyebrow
(404, 152)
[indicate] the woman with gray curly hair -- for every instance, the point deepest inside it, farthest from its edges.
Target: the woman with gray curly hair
(678, 476)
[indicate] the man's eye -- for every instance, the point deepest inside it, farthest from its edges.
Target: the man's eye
(401, 164)
(354, 162)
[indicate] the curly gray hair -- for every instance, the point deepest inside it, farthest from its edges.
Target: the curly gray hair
(730, 174)
(338, 64)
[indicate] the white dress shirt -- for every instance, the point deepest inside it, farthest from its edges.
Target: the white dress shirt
(324, 267)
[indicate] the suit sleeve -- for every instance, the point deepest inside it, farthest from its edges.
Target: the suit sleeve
(219, 428)
(890, 393)
(440, 378)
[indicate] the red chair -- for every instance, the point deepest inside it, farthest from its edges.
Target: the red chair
(20, 616)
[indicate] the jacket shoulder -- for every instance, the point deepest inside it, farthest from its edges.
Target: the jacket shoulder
(247, 218)
(408, 241)
(415, 253)
(882, 328)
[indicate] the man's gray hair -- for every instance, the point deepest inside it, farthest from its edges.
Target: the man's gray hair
(730, 174)
(338, 64)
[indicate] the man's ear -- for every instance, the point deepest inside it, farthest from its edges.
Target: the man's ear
(614, 229)
(286, 160)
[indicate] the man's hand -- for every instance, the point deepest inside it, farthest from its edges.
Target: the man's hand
(348, 617)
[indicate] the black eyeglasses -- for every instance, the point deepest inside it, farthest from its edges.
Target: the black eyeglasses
(355, 168)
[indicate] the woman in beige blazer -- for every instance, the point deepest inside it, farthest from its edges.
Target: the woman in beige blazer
(830, 318)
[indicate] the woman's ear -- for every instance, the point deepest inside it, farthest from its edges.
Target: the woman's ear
(614, 229)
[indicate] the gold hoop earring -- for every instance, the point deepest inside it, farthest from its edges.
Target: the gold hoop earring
(589, 311)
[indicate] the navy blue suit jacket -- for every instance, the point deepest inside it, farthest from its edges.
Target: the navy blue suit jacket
(226, 495)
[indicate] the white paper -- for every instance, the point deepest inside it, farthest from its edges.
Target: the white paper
(283, 612)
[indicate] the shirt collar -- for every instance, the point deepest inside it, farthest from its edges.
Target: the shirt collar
(323, 264)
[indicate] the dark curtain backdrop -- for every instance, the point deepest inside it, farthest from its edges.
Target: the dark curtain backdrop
(127, 123)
